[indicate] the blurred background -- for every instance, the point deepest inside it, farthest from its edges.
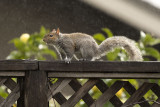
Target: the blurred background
(27, 16)
(23, 23)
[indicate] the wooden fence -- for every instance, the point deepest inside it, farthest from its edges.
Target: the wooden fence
(32, 88)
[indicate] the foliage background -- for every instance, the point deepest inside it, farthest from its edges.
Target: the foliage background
(31, 46)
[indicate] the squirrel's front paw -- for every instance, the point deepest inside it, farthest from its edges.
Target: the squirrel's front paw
(67, 60)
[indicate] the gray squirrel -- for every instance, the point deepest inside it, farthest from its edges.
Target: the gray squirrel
(87, 46)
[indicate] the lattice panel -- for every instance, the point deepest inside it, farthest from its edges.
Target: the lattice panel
(108, 93)
(13, 95)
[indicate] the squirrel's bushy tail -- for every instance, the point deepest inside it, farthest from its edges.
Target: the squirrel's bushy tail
(121, 41)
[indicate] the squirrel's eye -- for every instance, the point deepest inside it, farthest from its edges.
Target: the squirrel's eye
(51, 35)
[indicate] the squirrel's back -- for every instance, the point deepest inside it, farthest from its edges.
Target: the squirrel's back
(77, 36)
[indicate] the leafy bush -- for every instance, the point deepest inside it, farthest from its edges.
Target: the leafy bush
(31, 46)
(146, 44)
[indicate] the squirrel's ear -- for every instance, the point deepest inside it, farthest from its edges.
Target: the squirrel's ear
(54, 30)
(58, 31)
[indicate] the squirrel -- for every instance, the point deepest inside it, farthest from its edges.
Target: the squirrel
(88, 47)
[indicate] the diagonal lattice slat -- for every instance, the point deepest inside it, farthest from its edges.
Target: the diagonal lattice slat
(10, 84)
(57, 87)
(2, 80)
(76, 86)
(138, 94)
(103, 87)
(13, 96)
(131, 90)
(59, 98)
(73, 100)
(108, 93)
(156, 90)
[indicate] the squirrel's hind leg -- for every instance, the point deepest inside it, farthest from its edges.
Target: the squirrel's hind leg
(86, 54)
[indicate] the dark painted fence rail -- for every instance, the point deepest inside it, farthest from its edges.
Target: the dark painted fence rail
(32, 89)
(82, 69)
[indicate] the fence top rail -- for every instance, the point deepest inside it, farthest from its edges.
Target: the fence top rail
(83, 69)
(81, 66)
(18, 65)
(101, 66)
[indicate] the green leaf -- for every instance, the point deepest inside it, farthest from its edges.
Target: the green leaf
(108, 32)
(53, 80)
(134, 83)
(50, 52)
(152, 52)
(155, 42)
(149, 40)
(18, 44)
(42, 31)
(99, 37)
(111, 56)
(2, 92)
(146, 59)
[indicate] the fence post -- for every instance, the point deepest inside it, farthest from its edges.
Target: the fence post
(35, 93)
(20, 101)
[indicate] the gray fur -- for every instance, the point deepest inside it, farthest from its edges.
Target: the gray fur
(89, 49)
(121, 41)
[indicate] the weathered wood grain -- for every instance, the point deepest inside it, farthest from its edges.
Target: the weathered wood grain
(57, 87)
(76, 86)
(138, 94)
(12, 73)
(18, 65)
(59, 98)
(20, 101)
(156, 90)
(131, 90)
(108, 75)
(108, 94)
(81, 66)
(84, 69)
(73, 100)
(1, 99)
(100, 66)
(35, 93)
(2, 80)
(36, 90)
(9, 83)
(52, 87)
(12, 98)
(114, 100)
